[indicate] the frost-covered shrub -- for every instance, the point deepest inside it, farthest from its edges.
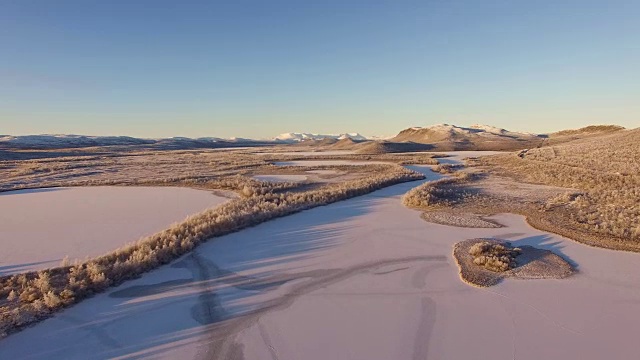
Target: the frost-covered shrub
(51, 300)
(443, 192)
(447, 168)
(13, 296)
(494, 256)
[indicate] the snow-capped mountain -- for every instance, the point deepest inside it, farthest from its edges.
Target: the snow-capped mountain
(296, 137)
(489, 129)
(353, 136)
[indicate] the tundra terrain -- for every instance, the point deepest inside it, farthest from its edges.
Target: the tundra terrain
(326, 253)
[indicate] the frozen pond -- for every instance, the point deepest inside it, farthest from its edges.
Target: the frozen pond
(326, 163)
(281, 178)
(323, 172)
(40, 227)
(309, 153)
(457, 157)
(311, 175)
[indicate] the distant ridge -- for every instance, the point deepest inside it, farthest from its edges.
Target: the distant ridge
(385, 147)
(592, 129)
(445, 137)
(345, 144)
(83, 141)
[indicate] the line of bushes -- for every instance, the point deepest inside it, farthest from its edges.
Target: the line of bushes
(442, 192)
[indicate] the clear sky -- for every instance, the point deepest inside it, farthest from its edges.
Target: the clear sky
(262, 67)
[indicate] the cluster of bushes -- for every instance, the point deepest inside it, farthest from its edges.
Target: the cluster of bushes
(447, 168)
(443, 192)
(494, 256)
(33, 296)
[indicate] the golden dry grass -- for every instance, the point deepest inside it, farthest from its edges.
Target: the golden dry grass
(494, 256)
(605, 171)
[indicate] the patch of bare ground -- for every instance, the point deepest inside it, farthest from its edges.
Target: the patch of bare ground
(531, 263)
(466, 220)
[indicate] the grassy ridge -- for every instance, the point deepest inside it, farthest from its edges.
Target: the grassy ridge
(605, 172)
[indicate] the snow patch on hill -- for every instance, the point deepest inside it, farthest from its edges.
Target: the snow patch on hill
(296, 137)
(476, 129)
(489, 129)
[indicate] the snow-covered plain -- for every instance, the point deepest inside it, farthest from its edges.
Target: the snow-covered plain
(42, 226)
(322, 172)
(364, 278)
(322, 176)
(309, 153)
(281, 178)
(326, 162)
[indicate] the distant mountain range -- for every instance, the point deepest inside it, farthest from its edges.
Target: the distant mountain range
(82, 141)
(60, 141)
(441, 137)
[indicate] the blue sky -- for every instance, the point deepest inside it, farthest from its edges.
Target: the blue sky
(259, 68)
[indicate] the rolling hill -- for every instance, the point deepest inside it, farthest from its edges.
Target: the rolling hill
(445, 137)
